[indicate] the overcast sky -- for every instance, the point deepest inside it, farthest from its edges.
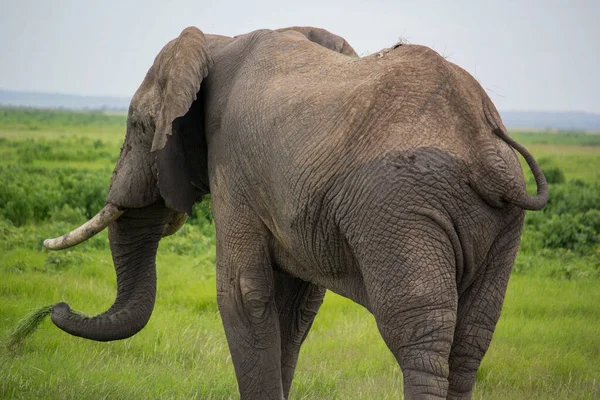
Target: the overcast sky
(529, 55)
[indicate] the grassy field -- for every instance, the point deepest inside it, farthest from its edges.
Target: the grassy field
(54, 173)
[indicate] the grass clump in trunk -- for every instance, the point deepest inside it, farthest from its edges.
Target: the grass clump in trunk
(26, 326)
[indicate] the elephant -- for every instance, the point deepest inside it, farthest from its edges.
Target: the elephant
(324, 38)
(388, 179)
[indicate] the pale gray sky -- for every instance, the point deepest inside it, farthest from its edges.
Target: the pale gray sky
(529, 54)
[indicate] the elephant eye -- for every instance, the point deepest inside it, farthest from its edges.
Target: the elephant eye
(146, 125)
(135, 124)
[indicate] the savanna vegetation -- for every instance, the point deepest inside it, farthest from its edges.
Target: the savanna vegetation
(55, 167)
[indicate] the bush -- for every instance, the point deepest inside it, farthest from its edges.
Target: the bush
(31, 194)
(577, 232)
(66, 149)
(553, 174)
(68, 214)
(571, 220)
(190, 240)
(573, 197)
(201, 213)
(17, 208)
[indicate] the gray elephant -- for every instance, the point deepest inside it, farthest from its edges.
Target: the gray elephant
(389, 180)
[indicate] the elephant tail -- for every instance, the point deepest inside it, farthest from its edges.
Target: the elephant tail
(523, 199)
(519, 196)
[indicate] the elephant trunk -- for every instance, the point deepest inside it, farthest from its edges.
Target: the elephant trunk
(134, 241)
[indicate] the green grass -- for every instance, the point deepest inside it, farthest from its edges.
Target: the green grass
(28, 119)
(546, 346)
(547, 343)
(557, 138)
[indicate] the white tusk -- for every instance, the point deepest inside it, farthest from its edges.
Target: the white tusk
(105, 217)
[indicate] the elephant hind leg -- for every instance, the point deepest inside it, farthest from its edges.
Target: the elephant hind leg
(297, 302)
(419, 333)
(412, 290)
(478, 312)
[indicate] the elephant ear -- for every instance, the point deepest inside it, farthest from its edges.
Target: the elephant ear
(179, 69)
(179, 142)
(324, 38)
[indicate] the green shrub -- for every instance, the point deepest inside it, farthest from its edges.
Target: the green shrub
(16, 207)
(65, 149)
(577, 232)
(32, 194)
(6, 230)
(552, 173)
(28, 151)
(571, 220)
(68, 214)
(573, 197)
(190, 240)
(201, 213)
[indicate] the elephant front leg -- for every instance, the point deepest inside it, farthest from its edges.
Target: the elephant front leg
(298, 302)
(245, 295)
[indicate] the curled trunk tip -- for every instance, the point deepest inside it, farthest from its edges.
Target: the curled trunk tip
(94, 328)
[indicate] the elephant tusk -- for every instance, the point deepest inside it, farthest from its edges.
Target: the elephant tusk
(174, 224)
(96, 224)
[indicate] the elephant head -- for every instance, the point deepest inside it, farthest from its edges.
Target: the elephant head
(154, 184)
(161, 172)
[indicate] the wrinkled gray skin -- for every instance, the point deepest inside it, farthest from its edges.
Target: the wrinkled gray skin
(388, 179)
